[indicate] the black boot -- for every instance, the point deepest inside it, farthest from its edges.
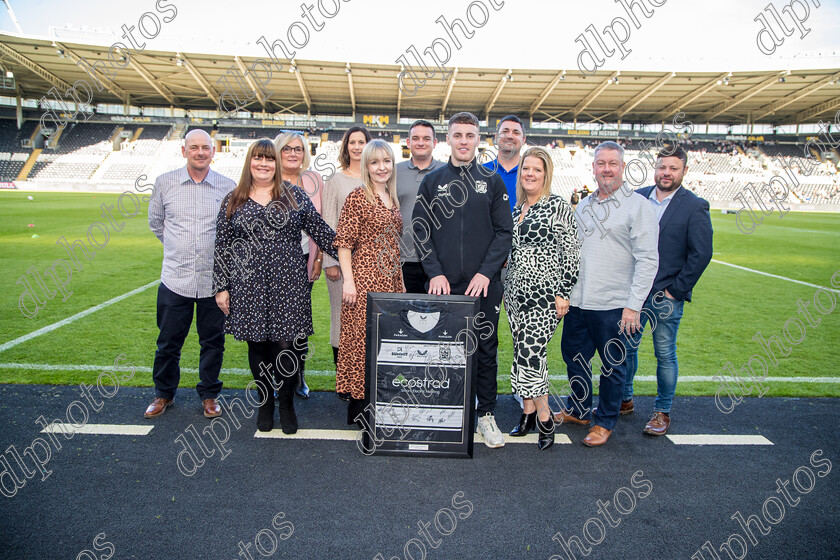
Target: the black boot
(526, 424)
(546, 430)
(286, 405)
(354, 409)
(265, 416)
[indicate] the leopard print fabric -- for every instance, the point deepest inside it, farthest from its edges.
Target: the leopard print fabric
(372, 233)
(543, 264)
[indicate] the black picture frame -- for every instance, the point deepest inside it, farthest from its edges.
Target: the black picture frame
(420, 386)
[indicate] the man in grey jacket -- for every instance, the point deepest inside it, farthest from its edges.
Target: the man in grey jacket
(619, 258)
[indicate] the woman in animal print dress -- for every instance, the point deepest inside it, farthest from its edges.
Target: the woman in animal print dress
(367, 239)
(542, 268)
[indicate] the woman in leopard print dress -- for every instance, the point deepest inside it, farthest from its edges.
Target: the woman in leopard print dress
(542, 269)
(367, 239)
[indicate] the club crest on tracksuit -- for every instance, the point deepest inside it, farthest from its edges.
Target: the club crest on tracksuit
(480, 187)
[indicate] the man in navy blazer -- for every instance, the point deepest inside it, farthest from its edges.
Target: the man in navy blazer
(685, 249)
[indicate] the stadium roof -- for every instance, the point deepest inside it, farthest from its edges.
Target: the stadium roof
(190, 81)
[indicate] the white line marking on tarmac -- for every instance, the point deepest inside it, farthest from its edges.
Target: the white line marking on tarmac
(102, 429)
(352, 435)
(718, 439)
(330, 373)
(776, 276)
(76, 317)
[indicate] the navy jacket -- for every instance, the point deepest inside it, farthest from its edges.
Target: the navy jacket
(462, 223)
(685, 243)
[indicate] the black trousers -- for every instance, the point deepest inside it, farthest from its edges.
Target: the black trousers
(414, 278)
(174, 319)
(487, 331)
(275, 365)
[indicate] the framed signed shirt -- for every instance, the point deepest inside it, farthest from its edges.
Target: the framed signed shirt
(420, 373)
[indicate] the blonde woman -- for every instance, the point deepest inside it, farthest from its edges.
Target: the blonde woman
(367, 240)
(294, 168)
(335, 193)
(542, 269)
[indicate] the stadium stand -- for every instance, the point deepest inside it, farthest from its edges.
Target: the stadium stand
(110, 155)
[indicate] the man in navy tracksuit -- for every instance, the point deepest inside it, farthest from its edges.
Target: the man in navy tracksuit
(463, 229)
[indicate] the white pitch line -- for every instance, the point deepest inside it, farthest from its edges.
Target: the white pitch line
(776, 276)
(808, 230)
(102, 429)
(718, 439)
(76, 317)
(330, 373)
(352, 435)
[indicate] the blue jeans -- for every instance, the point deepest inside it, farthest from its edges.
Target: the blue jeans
(664, 316)
(585, 332)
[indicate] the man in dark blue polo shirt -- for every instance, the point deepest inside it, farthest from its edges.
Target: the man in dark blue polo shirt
(509, 141)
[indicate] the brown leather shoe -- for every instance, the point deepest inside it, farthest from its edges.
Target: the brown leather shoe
(564, 417)
(658, 425)
(158, 406)
(626, 407)
(598, 435)
(211, 408)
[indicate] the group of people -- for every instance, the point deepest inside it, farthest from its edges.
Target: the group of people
(495, 232)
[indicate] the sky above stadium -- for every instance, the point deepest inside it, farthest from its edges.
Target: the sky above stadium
(679, 35)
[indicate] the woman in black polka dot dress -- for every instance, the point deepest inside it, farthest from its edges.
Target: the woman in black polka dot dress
(261, 282)
(542, 268)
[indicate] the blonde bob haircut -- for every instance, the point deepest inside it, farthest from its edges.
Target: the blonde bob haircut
(285, 138)
(374, 150)
(542, 155)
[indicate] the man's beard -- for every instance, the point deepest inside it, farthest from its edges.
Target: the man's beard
(674, 186)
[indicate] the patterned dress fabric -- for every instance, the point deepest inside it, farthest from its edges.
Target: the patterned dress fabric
(543, 264)
(372, 233)
(259, 260)
(335, 193)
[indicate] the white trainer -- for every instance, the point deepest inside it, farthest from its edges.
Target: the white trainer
(488, 429)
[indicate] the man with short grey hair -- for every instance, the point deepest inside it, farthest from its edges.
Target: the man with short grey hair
(182, 214)
(619, 236)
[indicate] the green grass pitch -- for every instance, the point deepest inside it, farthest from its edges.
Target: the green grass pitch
(730, 305)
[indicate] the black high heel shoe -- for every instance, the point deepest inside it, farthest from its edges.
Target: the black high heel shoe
(526, 425)
(546, 433)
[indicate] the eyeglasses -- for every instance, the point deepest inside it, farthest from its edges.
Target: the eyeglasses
(263, 157)
(290, 149)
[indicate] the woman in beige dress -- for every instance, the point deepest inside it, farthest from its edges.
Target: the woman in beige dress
(335, 193)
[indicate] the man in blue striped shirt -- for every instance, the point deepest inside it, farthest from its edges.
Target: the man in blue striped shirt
(182, 214)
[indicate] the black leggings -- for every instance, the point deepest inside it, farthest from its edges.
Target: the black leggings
(280, 359)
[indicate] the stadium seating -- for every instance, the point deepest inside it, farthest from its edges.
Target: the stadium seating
(718, 170)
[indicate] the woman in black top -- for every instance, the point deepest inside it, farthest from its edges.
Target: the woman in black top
(260, 279)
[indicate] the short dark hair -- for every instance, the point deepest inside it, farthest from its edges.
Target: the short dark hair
(464, 117)
(513, 118)
(421, 122)
(673, 150)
